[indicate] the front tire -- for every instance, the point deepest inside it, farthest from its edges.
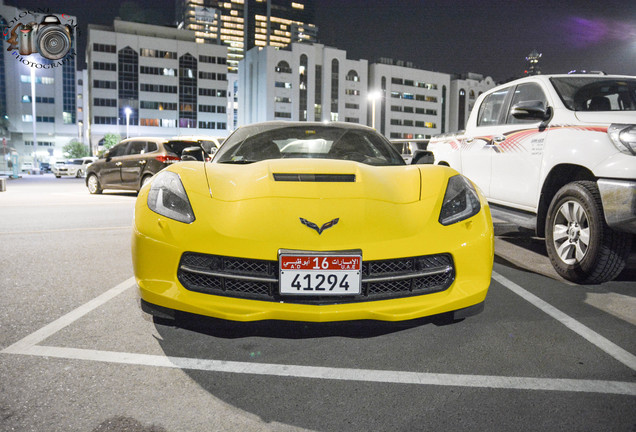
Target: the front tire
(79, 174)
(93, 184)
(580, 244)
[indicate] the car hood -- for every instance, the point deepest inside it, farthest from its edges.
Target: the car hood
(313, 178)
(606, 118)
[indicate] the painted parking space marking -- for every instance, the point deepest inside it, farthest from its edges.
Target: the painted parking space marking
(29, 346)
(604, 344)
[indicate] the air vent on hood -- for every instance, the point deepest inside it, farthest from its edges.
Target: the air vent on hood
(328, 178)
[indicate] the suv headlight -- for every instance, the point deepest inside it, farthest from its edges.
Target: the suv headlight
(168, 197)
(624, 137)
(460, 201)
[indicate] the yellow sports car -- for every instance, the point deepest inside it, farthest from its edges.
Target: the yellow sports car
(311, 222)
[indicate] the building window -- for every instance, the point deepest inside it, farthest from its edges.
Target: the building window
(334, 89)
(158, 88)
(161, 106)
(283, 67)
(461, 115)
(206, 125)
(105, 120)
(188, 88)
(105, 84)
(302, 78)
(207, 59)
(207, 108)
(128, 83)
(146, 52)
(207, 92)
(104, 48)
(353, 76)
(282, 114)
(104, 66)
(318, 94)
(148, 70)
(207, 75)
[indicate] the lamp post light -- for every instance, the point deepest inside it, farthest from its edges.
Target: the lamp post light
(373, 97)
(127, 110)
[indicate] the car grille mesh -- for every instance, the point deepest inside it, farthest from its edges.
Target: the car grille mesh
(258, 279)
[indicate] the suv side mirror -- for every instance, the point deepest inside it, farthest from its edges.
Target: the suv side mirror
(422, 157)
(531, 110)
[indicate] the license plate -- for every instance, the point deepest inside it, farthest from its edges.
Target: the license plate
(322, 273)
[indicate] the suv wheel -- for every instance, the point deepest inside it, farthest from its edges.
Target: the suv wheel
(93, 184)
(145, 180)
(580, 244)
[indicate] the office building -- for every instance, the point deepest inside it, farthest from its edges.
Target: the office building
(241, 25)
(37, 120)
(406, 102)
(306, 82)
(152, 80)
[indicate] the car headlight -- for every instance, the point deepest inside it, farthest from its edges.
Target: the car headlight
(168, 197)
(624, 137)
(460, 201)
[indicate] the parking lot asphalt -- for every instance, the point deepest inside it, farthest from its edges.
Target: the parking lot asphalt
(77, 354)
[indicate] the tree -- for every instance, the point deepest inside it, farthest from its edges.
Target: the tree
(75, 149)
(109, 140)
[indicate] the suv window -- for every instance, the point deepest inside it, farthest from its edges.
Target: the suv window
(118, 150)
(599, 93)
(136, 147)
(523, 93)
(492, 108)
(152, 146)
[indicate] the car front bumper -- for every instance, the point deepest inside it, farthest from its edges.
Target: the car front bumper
(619, 203)
(156, 260)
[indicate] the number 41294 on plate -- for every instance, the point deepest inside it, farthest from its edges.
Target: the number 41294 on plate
(320, 274)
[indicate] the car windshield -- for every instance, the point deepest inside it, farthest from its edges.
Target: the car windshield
(76, 162)
(598, 93)
(256, 143)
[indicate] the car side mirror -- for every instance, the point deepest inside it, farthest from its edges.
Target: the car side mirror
(422, 157)
(194, 153)
(531, 110)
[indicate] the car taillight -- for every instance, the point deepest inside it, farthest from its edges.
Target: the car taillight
(168, 159)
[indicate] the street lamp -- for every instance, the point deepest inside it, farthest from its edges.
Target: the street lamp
(373, 96)
(127, 110)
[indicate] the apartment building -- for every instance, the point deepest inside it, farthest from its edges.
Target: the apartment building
(153, 80)
(410, 103)
(305, 82)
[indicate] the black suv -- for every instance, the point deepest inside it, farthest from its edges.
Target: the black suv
(132, 162)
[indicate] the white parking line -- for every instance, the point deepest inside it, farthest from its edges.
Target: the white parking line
(341, 374)
(68, 319)
(609, 347)
(29, 346)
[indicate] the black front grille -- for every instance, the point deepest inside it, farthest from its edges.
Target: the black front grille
(258, 279)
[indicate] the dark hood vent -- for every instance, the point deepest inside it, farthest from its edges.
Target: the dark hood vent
(325, 178)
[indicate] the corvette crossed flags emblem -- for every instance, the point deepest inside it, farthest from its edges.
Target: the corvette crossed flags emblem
(319, 230)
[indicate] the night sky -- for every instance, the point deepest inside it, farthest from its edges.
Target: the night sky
(487, 37)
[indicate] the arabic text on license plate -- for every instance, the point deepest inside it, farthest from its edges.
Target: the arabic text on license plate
(320, 274)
